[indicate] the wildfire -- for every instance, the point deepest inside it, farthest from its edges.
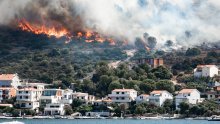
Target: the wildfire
(42, 29)
(59, 32)
(90, 36)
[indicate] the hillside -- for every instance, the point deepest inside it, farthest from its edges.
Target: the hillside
(40, 58)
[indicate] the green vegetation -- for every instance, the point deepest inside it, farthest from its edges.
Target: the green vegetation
(193, 52)
(206, 108)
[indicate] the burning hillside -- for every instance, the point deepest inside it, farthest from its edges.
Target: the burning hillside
(42, 29)
(58, 31)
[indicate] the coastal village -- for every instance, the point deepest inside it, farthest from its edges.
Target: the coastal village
(39, 100)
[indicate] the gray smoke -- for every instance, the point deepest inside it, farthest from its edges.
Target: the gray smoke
(184, 22)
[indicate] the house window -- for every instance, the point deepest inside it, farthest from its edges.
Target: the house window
(29, 103)
(210, 95)
(26, 97)
(122, 92)
(20, 97)
(188, 94)
(117, 92)
(19, 91)
(82, 97)
(117, 98)
(122, 98)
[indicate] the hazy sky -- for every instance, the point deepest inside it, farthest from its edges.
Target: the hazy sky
(183, 21)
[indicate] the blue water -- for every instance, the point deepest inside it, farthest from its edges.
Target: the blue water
(106, 121)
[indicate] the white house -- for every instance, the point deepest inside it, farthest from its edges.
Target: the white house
(9, 80)
(142, 98)
(84, 97)
(158, 97)
(190, 96)
(123, 95)
(28, 98)
(67, 97)
(51, 96)
(54, 109)
(206, 71)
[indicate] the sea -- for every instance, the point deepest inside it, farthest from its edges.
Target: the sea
(104, 121)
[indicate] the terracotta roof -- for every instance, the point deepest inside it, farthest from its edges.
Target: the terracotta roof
(7, 76)
(157, 91)
(121, 90)
(187, 90)
(6, 105)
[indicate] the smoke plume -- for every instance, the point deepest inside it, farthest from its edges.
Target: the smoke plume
(182, 21)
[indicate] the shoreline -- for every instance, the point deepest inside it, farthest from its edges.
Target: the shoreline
(114, 118)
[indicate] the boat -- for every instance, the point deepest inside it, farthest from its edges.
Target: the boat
(214, 118)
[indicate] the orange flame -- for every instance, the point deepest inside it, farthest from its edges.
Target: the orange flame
(36, 29)
(59, 32)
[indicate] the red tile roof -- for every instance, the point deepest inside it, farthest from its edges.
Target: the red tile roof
(157, 91)
(7, 76)
(187, 90)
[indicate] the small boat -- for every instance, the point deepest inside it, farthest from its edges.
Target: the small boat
(214, 118)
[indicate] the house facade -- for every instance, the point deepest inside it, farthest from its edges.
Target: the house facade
(9, 80)
(84, 97)
(28, 98)
(158, 97)
(51, 96)
(54, 109)
(7, 93)
(206, 71)
(142, 98)
(190, 96)
(67, 97)
(123, 95)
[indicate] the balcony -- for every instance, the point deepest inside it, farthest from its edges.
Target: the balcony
(23, 94)
(179, 100)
